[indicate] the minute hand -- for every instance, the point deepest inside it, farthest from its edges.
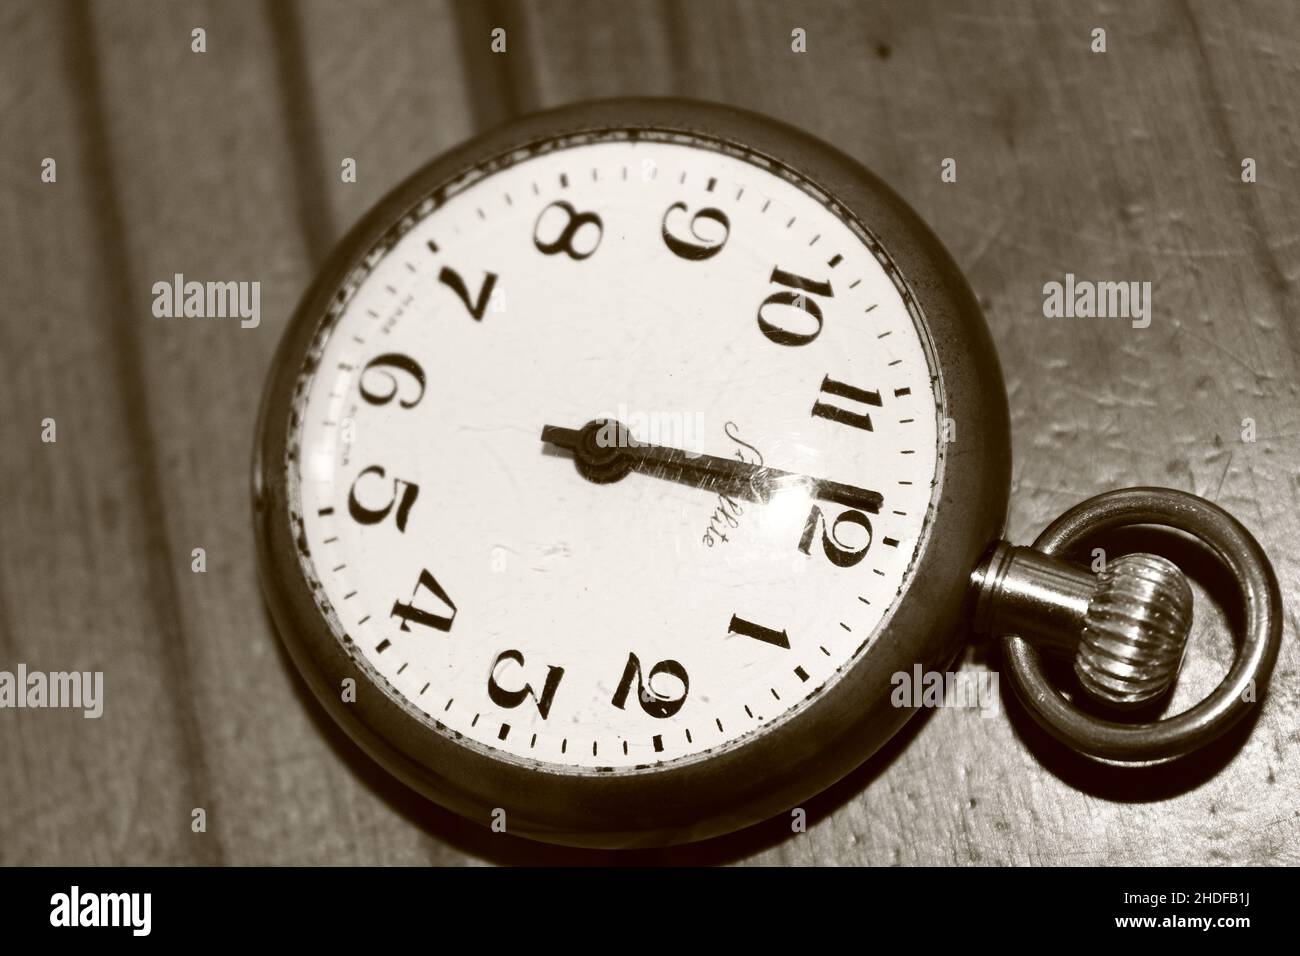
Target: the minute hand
(607, 460)
(759, 481)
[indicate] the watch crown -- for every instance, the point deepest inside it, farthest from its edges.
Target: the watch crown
(1135, 630)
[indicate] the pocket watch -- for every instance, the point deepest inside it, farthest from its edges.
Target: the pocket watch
(618, 459)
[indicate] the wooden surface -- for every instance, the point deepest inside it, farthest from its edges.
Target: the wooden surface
(1122, 165)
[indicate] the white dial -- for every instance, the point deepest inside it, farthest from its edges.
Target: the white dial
(713, 305)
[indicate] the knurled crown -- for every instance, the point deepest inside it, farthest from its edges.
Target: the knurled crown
(1135, 630)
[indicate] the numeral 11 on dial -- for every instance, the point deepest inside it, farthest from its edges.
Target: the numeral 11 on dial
(845, 416)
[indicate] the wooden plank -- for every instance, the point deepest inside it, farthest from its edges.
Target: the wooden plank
(84, 578)
(389, 88)
(211, 187)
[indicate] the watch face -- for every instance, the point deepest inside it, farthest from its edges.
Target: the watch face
(757, 374)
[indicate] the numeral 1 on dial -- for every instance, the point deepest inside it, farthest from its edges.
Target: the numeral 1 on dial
(759, 633)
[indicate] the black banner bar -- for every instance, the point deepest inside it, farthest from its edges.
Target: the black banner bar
(209, 905)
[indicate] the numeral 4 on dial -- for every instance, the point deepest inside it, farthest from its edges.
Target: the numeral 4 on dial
(411, 614)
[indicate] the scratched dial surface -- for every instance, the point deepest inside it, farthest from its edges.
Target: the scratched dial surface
(712, 304)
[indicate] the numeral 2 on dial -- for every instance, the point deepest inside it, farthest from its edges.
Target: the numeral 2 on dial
(513, 698)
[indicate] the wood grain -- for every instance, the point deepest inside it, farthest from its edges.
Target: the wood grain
(1122, 165)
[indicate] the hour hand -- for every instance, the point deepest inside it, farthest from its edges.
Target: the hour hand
(605, 450)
